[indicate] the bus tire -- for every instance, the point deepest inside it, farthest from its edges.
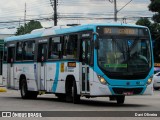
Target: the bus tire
(68, 91)
(24, 89)
(25, 94)
(71, 92)
(120, 99)
(76, 97)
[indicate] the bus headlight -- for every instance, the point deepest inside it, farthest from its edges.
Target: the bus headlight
(149, 81)
(102, 80)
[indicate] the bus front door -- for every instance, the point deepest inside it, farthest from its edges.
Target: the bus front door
(10, 73)
(42, 54)
(86, 55)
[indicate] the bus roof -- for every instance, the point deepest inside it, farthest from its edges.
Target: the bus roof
(62, 30)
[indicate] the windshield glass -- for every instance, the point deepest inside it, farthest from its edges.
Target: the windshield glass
(124, 54)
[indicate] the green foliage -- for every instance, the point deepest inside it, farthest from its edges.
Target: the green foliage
(155, 7)
(28, 27)
(156, 38)
(156, 17)
(155, 32)
(144, 22)
(147, 23)
(154, 27)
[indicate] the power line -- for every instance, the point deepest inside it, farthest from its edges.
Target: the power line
(41, 6)
(115, 8)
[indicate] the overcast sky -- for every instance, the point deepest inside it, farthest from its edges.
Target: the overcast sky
(13, 10)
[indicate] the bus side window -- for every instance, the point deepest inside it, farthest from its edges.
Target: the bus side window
(11, 54)
(19, 51)
(54, 50)
(42, 52)
(70, 47)
(29, 49)
(5, 53)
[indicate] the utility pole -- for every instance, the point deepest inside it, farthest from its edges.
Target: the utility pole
(25, 19)
(55, 12)
(115, 10)
(54, 6)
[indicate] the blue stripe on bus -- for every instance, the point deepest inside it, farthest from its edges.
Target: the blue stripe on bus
(55, 83)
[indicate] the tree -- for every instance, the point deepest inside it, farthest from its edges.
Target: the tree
(154, 7)
(27, 28)
(155, 30)
(144, 22)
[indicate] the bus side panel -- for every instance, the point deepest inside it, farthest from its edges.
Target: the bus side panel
(28, 71)
(4, 75)
(17, 72)
(64, 71)
(50, 76)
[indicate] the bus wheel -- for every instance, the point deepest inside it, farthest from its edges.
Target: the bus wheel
(120, 99)
(68, 88)
(23, 89)
(71, 92)
(76, 98)
(25, 94)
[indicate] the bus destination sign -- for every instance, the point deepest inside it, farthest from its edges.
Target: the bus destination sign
(122, 31)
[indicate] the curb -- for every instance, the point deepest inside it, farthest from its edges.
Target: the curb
(3, 89)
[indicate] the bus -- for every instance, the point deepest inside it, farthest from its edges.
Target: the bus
(93, 60)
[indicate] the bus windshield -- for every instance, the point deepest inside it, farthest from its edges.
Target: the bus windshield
(124, 54)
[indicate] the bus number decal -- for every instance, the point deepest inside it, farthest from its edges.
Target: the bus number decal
(71, 64)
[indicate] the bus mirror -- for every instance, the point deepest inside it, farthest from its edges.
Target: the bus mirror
(96, 44)
(95, 33)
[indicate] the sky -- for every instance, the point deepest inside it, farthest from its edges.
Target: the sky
(68, 11)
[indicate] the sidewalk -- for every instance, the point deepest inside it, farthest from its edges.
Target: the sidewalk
(2, 88)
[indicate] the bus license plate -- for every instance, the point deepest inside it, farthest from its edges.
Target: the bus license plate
(128, 93)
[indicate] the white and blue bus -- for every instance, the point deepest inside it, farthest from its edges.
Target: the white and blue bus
(94, 60)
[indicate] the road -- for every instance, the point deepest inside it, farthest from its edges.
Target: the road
(11, 101)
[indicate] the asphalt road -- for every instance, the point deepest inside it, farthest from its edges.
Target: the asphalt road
(11, 101)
